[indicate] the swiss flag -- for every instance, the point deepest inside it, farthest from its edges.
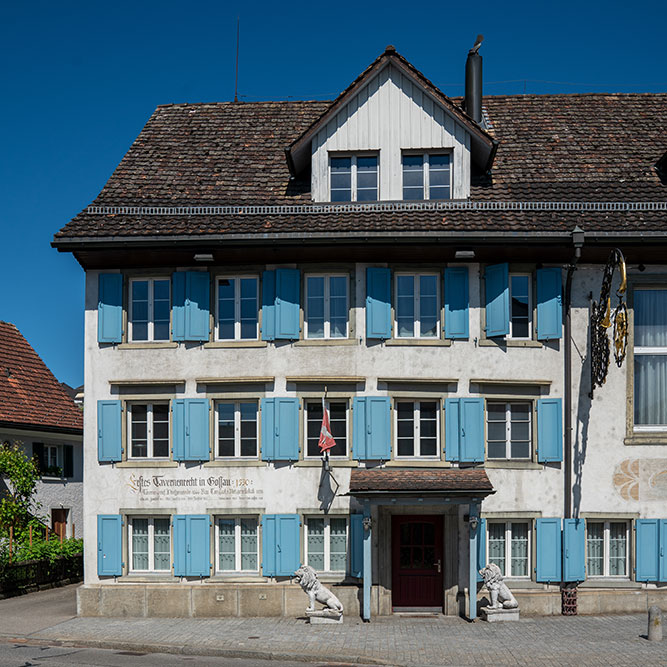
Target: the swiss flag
(327, 441)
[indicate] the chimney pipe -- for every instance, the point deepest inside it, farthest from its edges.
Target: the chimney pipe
(473, 92)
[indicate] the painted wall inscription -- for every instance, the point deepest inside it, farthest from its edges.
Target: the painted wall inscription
(210, 486)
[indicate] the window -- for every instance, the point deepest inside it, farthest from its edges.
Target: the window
(508, 546)
(508, 430)
(51, 457)
(326, 306)
(326, 544)
(150, 302)
(238, 305)
(150, 544)
(417, 305)
(521, 308)
(416, 428)
(236, 427)
(337, 421)
(148, 425)
(237, 545)
(427, 176)
(607, 548)
(650, 359)
(354, 178)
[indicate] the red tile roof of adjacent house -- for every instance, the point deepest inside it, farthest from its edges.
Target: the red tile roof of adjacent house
(30, 395)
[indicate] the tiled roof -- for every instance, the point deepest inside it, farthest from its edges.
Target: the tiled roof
(30, 395)
(370, 480)
(594, 147)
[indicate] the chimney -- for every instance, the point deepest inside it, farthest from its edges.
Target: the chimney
(473, 93)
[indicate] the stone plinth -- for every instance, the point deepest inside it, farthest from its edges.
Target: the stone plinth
(324, 616)
(495, 615)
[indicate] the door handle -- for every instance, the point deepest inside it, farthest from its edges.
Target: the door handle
(438, 564)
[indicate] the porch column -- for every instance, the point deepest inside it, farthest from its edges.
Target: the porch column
(366, 614)
(472, 569)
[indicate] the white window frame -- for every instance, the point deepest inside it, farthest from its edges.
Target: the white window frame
(237, 545)
(237, 305)
(151, 543)
(606, 556)
(416, 416)
(521, 274)
(327, 542)
(52, 456)
(508, 546)
(151, 310)
(237, 429)
(416, 322)
(508, 429)
(426, 185)
(327, 402)
(353, 175)
(150, 454)
(327, 305)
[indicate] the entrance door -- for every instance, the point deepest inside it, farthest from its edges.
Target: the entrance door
(59, 522)
(417, 561)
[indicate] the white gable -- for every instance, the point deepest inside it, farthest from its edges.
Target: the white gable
(389, 115)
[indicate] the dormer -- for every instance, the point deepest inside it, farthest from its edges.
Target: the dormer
(392, 136)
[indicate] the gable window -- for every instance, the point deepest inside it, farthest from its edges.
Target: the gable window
(238, 307)
(326, 544)
(337, 421)
(650, 359)
(326, 306)
(416, 429)
(417, 306)
(354, 178)
(508, 429)
(148, 425)
(508, 546)
(426, 176)
(237, 545)
(236, 429)
(607, 548)
(150, 544)
(150, 303)
(521, 307)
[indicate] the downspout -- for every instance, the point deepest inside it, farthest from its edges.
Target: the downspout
(578, 242)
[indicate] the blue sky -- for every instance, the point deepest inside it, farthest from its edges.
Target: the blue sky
(80, 79)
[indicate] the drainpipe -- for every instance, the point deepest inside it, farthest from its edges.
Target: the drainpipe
(577, 242)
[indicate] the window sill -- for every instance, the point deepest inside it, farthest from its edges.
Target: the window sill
(323, 342)
(608, 582)
(53, 478)
(146, 578)
(236, 578)
(654, 438)
(235, 343)
(236, 463)
(147, 345)
(334, 463)
(513, 465)
(416, 463)
(418, 342)
(135, 463)
(503, 342)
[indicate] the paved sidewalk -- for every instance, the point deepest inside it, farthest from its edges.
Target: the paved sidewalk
(396, 640)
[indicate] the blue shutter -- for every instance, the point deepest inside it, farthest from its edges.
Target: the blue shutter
(378, 303)
(197, 439)
(359, 428)
(109, 441)
(288, 289)
(288, 545)
(197, 305)
(286, 429)
(269, 542)
(268, 416)
(178, 329)
(549, 430)
(109, 542)
(497, 300)
(110, 308)
(269, 305)
(198, 559)
(481, 548)
(648, 541)
(549, 303)
(662, 552)
(452, 429)
(456, 302)
(356, 545)
(574, 550)
(180, 545)
(472, 430)
(178, 429)
(378, 428)
(549, 549)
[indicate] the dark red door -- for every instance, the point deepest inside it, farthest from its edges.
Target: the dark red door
(417, 561)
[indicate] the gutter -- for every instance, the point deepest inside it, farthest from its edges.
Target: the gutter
(41, 427)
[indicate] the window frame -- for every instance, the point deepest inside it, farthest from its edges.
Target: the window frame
(151, 309)
(354, 176)
(236, 402)
(328, 401)
(426, 171)
(417, 455)
(327, 542)
(238, 554)
(531, 305)
(416, 302)
(237, 306)
(606, 555)
(327, 305)
(150, 445)
(508, 546)
(151, 544)
(508, 428)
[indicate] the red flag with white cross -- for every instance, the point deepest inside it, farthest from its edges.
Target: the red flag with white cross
(327, 441)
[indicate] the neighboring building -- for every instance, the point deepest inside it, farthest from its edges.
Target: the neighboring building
(408, 259)
(37, 413)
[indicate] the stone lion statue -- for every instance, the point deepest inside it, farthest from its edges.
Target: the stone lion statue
(306, 577)
(501, 596)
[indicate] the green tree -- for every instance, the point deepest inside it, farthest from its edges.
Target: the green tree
(20, 474)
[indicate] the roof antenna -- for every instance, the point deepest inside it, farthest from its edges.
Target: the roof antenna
(236, 83)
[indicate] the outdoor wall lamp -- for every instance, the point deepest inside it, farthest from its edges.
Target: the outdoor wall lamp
(367, 523)
(474, 522)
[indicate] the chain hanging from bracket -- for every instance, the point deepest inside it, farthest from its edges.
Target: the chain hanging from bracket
(602, 319)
